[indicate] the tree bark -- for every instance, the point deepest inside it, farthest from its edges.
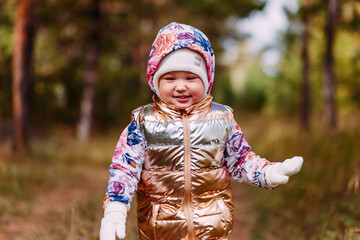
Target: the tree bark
(24, 32)
(329, 78)
(305, 100)
(91, 74)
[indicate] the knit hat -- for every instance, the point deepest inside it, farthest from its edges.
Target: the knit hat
(170, 40)
(182, 59)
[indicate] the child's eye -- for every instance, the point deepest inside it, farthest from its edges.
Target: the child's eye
(191, 78)
(167, 77)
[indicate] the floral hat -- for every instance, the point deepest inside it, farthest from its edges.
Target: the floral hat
(176, 36)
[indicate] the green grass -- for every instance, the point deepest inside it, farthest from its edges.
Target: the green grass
(56, 162)
(320, 202)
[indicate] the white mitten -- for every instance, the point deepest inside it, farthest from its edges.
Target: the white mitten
(279, 173)
(114, 221)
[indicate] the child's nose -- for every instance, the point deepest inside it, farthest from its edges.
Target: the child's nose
(180, 86)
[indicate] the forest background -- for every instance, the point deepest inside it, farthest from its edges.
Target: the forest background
(72, 71)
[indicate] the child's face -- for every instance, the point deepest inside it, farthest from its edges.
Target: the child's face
(180, 88)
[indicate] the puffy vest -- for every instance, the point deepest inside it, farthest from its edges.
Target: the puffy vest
(184, 191)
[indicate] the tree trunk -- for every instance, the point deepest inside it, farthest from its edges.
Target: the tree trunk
(329, 78)
(305, 101)
(91, 74)
(24, 32)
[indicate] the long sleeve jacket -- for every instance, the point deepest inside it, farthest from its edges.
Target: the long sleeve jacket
(180, 162)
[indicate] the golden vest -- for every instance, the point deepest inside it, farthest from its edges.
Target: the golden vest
(184, 191)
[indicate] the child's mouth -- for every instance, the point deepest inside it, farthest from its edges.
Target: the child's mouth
(182, 98)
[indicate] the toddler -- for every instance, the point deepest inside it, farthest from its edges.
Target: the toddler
(179, 152)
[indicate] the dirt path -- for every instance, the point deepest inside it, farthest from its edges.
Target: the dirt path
(243, 219)
(50, 207)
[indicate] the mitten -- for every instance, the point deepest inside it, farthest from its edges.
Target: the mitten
(114, 221)
(279, 173)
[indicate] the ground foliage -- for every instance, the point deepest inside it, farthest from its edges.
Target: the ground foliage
(68, 181)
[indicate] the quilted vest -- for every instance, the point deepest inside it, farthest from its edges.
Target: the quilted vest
(184, 191)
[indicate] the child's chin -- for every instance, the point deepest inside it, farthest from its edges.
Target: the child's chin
(183, 106)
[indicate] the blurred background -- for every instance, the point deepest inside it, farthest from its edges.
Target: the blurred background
(72, 71)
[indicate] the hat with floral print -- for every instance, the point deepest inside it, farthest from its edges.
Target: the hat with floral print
(174, 37)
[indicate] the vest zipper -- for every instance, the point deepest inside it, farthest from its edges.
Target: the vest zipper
(187, 170)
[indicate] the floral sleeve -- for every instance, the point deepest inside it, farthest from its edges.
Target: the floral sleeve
(243, 164)
(126, 167)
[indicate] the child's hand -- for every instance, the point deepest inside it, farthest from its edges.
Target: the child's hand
(114, 221)
(279, 173)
